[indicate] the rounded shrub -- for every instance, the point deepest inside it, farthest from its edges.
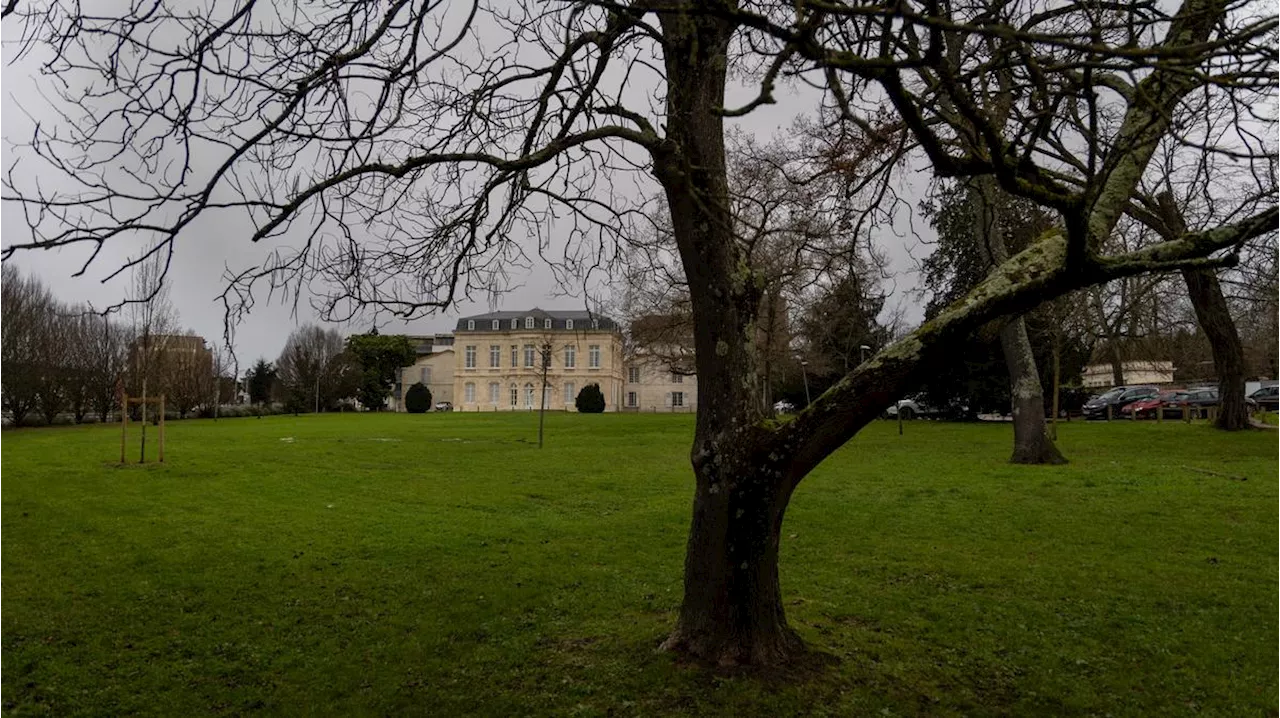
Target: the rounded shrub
(417, 400)
(590, 400)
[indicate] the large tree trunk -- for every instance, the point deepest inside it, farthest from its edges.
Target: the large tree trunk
(1228, 354)
(1031, 441)
(732, 610)
(1215, 320)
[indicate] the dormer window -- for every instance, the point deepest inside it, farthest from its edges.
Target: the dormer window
(515, 323)
(496, 325)
(568, 324)
(546, 323)
(471, 324)
(595, 323)
(528, 322)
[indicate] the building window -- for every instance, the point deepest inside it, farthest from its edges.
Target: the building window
(528, 396)
(595, 323)
(569, 394)
(528, 322)
(593, 356)
(546, 323)
(568, 324)
(631, 398)
(495, 356)
(546, 395)
(677, 378)
(469, 391)
(426, 375)
(528, 355)
(496, 325)
(570, 357)
(633, 375)
(515, 395)
(471, 357)
(494, 390)
(515, 356)
(677, 398)
(515, 323)
(471, 324)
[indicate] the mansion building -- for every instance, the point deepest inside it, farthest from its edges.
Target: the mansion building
(494, 362)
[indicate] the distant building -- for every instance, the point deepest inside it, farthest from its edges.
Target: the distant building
(660, 362)
(169, 352)
(433, 368)
(1136, 371)
(498, 359)
(493, 362)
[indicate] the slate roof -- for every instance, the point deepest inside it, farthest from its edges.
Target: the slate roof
(581, 320)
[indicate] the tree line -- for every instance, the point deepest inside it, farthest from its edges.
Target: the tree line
(60, 359)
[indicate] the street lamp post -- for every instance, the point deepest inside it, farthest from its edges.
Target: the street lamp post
(805, 374)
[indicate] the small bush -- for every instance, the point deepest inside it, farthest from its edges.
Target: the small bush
(590, 400)
(418, 399)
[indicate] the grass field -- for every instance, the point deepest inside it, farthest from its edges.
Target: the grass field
(443, 565)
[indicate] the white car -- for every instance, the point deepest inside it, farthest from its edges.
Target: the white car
(915, 406)
(783, 407)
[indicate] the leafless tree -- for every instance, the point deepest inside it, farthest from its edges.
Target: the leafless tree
(27, 306)
(798, 223)
(314, 370)
(410, 149)
(105, 343)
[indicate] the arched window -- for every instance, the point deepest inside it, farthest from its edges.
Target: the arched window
(515, 395)
(515, 323)
(496, 325)
(495, 390)
(528, 395)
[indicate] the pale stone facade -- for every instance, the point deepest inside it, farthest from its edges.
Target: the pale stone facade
(652, 386)
(433, 367)
(1135, 372)
(493, 363)
(498, 360)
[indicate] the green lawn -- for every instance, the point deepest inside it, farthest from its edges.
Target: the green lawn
(443, 565)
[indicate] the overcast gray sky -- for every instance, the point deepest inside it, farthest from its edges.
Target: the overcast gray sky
(206, 248)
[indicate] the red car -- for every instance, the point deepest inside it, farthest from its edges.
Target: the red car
(1146, 408)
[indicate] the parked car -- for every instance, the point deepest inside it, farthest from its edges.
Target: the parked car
(444, 406)
(1267, 398)
(784, 407)
(1146, 408)
(918, 406)
(1117, 398)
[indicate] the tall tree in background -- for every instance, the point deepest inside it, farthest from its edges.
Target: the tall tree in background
(261, 379)
(27, 308)
(315, 370)
(1215, 321)
(979, 227)
(411, 162)
(152, 320)
(379, 356)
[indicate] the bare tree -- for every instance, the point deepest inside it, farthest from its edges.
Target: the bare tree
(105, 362)
(410, 161)
(27, 306)
(314, 369)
